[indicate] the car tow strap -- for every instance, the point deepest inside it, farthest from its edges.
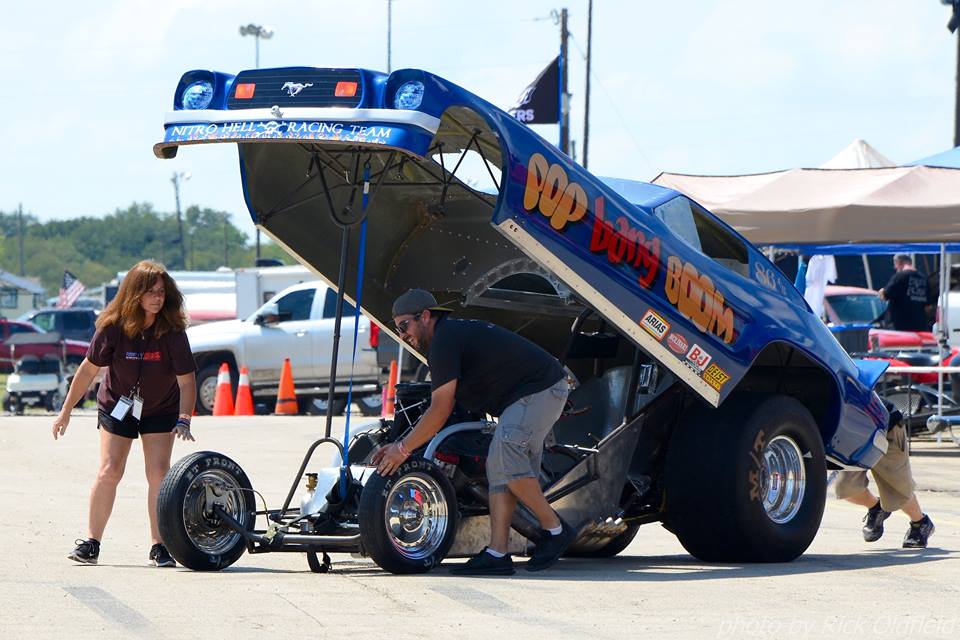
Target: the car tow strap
(361, 258)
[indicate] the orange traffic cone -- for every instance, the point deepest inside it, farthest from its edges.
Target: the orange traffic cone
(244, 397)
(223, 401)
(286, 397)
(390, 393)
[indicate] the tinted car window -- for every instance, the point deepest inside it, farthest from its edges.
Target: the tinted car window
(76, 321)
(21, 328)
(857, 308)
(700, 230)
(45, 321)
(330, 306)
(297, 304)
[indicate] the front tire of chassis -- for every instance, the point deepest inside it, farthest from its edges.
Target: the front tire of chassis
(192, 533)
(746, 482)
(408, 520)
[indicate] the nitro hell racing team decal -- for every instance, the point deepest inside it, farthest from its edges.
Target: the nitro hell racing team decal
(549, 191)
(294, 130)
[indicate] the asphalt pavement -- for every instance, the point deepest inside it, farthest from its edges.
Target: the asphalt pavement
(654, 589)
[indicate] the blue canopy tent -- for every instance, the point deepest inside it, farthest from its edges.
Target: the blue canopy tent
(949, 159)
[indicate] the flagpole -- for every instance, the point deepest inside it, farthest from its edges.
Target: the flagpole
(564, 96)
(586, 100)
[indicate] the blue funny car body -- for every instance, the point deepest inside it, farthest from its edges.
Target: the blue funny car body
(682, 329)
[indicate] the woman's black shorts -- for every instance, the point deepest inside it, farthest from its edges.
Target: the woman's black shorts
(131, 428)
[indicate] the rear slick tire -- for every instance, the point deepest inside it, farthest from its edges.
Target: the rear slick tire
(746, 482)
(193, 534)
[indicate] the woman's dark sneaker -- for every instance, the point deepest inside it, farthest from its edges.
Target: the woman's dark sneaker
(873, 522)
(919, 533)
(160, 557)
(86, 551)
(485, 564)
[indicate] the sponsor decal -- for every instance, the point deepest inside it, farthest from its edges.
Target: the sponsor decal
(148, 356)
(677, 343)
(698, 357)
(696, 298)
(625, 244)
(715, 376)
(654, 324)
(550, 191)
(299, 130)
(293, 88)
(767, 278)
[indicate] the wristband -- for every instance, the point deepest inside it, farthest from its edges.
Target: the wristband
(183, 422)
(403, 449)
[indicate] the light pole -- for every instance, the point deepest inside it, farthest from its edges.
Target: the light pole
(952, 25)
(258, 32)
(176, 179)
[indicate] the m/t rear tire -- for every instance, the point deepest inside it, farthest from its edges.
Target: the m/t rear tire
(746, 482)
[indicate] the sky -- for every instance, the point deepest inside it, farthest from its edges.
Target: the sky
(705, 87)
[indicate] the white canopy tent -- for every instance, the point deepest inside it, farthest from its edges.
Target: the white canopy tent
(832, 206)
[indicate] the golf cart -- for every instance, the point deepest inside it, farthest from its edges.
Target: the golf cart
(36, 379)
(709, 398)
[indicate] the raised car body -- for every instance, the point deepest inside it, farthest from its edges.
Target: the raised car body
(710, 396)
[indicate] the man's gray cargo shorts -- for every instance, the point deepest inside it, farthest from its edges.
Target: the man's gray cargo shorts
(517, 447)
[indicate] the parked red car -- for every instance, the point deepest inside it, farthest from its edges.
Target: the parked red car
(72, 352)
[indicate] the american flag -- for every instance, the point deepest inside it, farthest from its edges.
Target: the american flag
(70, 290)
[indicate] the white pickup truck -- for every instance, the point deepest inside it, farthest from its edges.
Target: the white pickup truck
(297, 323)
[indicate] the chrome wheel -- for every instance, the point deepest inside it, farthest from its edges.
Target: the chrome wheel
(206, 530)
(207, 392)
(783, 478)
(416, 516)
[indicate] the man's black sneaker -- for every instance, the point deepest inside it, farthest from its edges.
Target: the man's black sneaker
(160, 557)
(919, 533)
(484, 564)
(873, 522)
(551, 547)
(86, 551)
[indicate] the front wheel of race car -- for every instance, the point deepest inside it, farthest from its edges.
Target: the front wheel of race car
(192, 530)
(408, 520)
(746, 482)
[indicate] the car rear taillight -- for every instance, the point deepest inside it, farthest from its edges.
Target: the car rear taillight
(244, 90)
(374, 335)
(345, 89)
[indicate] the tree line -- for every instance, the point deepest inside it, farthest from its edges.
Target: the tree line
(95, 248)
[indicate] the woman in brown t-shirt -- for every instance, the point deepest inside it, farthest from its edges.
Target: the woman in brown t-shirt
(148, 390)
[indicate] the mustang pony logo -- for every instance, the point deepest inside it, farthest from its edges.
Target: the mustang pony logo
(293, 88)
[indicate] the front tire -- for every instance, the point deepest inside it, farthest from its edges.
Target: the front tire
(192, 532)
(746, 482)
(408, 520)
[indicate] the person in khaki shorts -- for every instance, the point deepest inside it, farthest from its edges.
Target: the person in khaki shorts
(894, 484)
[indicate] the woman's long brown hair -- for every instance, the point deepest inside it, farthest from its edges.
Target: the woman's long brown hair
(126, 312)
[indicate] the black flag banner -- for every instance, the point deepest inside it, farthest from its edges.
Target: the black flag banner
(540, 101)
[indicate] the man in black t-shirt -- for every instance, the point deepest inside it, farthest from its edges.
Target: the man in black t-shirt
(491, 370)
(906, 296)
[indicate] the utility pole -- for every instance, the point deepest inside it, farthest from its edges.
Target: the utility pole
(258, 32)
(389, 32)
(177, 177)
(23, 271)
(586, 100)
(952, 26)
(226, 223)
(564, 96)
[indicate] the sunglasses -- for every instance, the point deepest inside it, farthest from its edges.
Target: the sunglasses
(402, 325)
